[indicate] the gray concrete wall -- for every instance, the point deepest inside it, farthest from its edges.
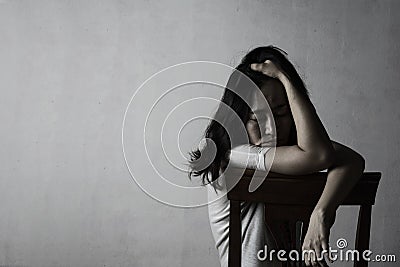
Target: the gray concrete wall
(69, 68)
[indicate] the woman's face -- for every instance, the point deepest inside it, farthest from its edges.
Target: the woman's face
(275, 94)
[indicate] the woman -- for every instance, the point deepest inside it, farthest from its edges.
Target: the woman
(303, 146)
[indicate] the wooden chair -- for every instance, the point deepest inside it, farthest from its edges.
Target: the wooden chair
(290, 199)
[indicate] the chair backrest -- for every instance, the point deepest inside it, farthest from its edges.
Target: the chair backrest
(289, 201)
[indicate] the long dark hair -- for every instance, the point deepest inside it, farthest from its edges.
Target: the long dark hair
(216, 134)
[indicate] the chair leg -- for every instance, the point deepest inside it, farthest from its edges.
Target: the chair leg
(304, 229)
(363, 233)
(235, 235)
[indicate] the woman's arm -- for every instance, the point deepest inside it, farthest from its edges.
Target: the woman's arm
(314, 150)
(342, 176)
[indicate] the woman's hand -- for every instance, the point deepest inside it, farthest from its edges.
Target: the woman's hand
(317, 238)
(268, 68)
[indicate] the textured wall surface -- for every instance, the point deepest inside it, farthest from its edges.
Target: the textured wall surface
(69, 68)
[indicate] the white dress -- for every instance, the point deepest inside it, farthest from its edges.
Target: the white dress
(255, 234)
